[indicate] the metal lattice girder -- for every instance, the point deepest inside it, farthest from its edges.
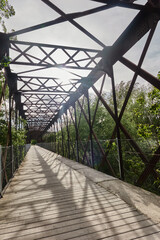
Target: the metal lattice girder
(145, 20)
(25, 53)
(37, 84)
(46, 55)
(149, 167)
(42, 106)
(61, 19)
(46, 99)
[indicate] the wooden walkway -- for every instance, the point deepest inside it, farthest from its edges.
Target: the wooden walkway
(49, 200)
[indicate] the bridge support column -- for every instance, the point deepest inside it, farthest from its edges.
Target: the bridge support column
(55, 140)
(68, 135)
(90, 129)
(0, 171)
(76, 128)
(117, 127)
(62, 136)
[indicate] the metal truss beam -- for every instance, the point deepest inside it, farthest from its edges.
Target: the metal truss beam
(60, 20)
(121, 3)
(45, 101)
(75, 58)
(144, 21)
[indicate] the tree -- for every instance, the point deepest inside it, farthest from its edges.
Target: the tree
(19, 135)
(141, 119)
(6, 11)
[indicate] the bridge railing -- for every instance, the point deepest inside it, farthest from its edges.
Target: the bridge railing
(10, 160)
(136, 163)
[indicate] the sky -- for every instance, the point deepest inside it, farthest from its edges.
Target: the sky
(106, 26)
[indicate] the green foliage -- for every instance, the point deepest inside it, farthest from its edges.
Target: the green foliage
(134, 167)
(147, 114)
(19, 135)
(33, 141)
(5, 62)
(157, 181)
(48, 137)
(6, 11)
(2, 80)
(3, 131)
(141, 120)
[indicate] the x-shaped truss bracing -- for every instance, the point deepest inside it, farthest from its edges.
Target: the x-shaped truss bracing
(50, 101)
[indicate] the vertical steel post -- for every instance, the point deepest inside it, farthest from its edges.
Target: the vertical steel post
(18, 121)
(12, 147)
(53, 138)
(16, 128)
(76, 128)
(62, 136)
(0, 171)
(55, 148)
(10, 130)
(90, 129)
(58, 137)
(16, 118)
(10, 120)
(68, 136)
(117, 126)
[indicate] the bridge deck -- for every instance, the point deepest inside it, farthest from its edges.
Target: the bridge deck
(49, 200)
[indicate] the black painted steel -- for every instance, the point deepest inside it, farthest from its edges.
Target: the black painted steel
(45, 101)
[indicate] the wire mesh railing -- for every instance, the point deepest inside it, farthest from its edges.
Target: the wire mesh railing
(82, 152)
(135, 161)
(10, 160)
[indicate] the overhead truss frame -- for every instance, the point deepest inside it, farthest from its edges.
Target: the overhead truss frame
(45, 101)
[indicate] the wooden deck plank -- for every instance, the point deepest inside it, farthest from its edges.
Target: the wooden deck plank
(59, 224)
(49, 200)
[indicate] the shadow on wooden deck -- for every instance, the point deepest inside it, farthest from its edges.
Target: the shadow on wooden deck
(49, 200)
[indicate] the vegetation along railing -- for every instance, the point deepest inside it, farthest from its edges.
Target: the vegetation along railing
(134, 167)
(82, 89)
(10, 160)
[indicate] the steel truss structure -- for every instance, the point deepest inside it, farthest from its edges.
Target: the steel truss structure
(45, 101)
